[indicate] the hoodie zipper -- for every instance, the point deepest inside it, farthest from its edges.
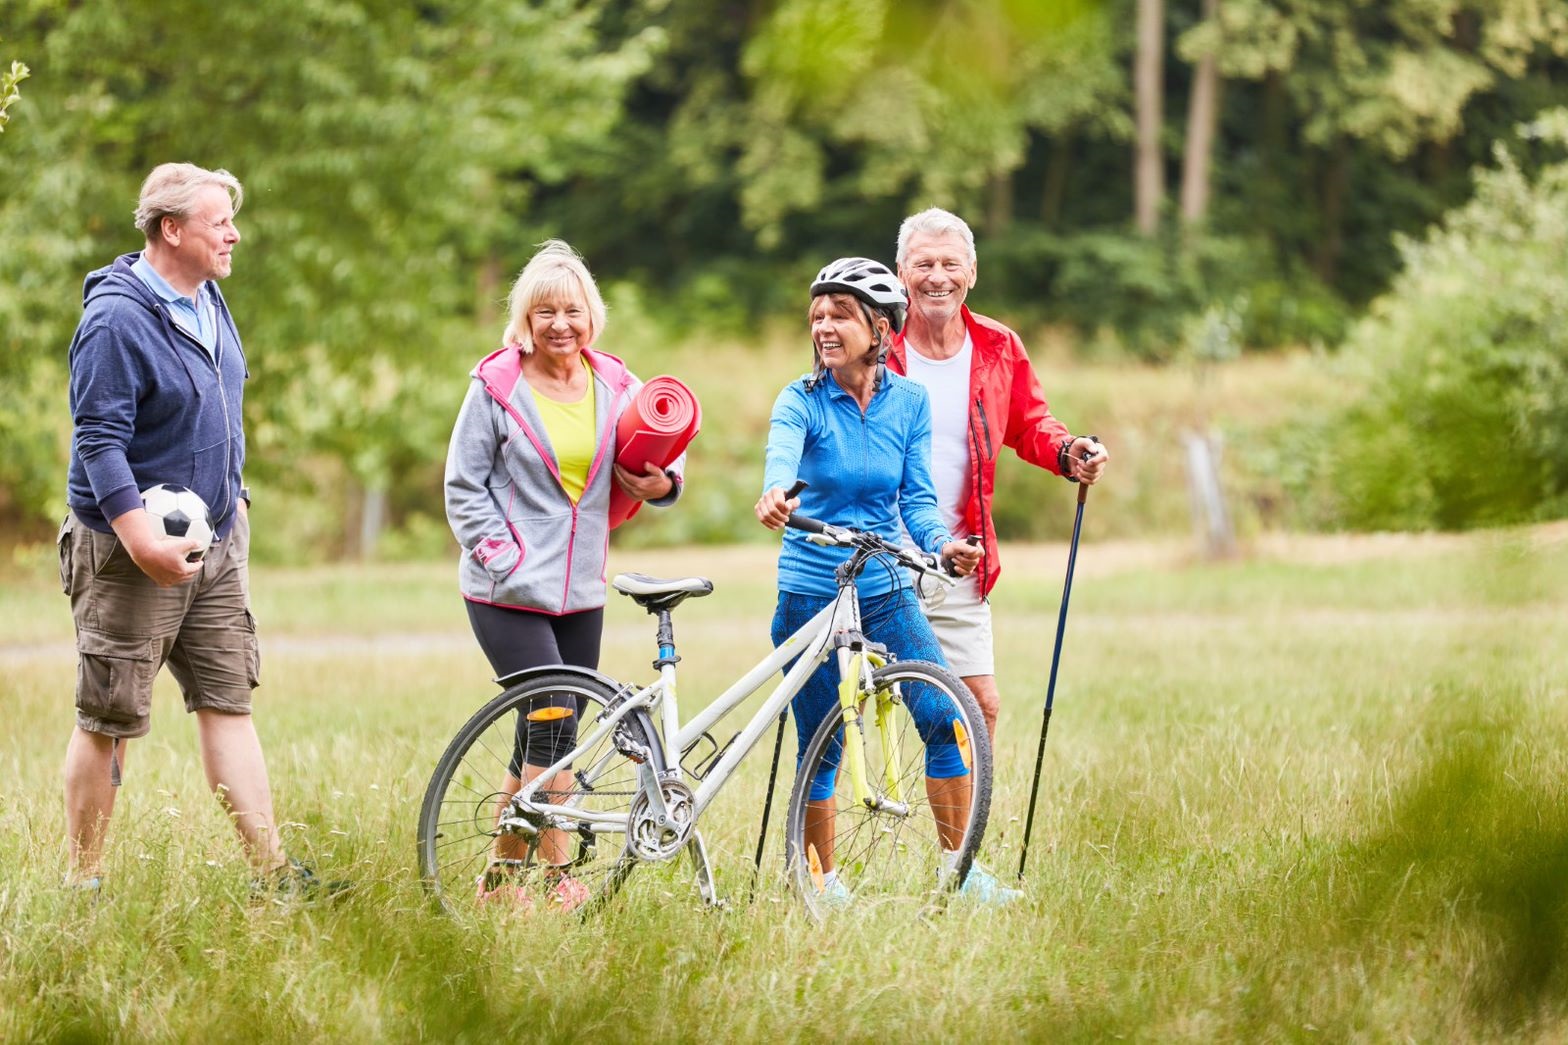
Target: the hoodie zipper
(223, 398)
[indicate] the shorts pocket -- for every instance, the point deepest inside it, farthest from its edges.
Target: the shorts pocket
(110, 559)
(63, 547)
(114, 676)
(930, 591)
(252, 652)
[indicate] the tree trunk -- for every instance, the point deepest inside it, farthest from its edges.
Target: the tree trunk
(999, 208)
(489, 291)
(1202, 118)
(1335, 192)
(1149, 102)
(1272, 192)
(1054, 192)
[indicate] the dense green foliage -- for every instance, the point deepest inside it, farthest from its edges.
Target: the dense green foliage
(1322, 794)
(385, 149)
(1464, 421)
(707, 156)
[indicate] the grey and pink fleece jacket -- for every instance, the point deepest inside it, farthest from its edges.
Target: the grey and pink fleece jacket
(525, 545)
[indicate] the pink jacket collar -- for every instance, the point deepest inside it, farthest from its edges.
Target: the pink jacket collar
(501, 369)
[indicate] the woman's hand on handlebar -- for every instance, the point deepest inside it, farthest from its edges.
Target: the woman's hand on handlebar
(773, 508)
(961, 557)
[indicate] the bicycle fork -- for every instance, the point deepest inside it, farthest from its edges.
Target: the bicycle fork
(855, 668)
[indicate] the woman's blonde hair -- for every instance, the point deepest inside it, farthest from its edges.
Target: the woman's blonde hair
(556, 273)
(170, 192)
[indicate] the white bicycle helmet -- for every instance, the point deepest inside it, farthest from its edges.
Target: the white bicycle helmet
(870, 281)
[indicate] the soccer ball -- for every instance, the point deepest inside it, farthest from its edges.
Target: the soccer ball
(181, 513)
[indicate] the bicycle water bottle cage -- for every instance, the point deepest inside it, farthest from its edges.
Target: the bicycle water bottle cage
(654, 594)
(699, 770)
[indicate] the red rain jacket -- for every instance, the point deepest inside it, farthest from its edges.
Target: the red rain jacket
(1006, 408)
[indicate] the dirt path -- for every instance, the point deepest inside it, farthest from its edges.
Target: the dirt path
(754, 564)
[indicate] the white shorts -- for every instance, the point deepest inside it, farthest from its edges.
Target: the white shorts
(961, 618)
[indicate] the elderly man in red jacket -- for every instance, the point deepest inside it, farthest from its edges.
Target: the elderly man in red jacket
(984, 396)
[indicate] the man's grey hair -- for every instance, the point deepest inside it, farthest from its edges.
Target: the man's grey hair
(170, 192)
(556, 274)
(934, 221)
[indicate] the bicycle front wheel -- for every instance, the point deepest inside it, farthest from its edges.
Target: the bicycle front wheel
(477, 847)
(914, 830)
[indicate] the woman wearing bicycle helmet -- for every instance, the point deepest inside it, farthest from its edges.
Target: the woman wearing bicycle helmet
(859, 436)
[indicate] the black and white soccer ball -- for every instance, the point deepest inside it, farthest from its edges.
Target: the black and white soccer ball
(181, 513)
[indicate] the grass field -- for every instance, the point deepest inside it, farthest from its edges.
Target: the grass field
(1318, 793)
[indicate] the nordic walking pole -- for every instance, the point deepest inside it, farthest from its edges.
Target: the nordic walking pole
(778, 746)
(767, 803)
(1050, 689)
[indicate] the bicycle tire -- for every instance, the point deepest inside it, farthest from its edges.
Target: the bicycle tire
(881, 855)
(459, 840)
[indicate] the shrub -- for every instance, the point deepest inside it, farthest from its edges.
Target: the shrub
(1144, 294)
(1465, 360)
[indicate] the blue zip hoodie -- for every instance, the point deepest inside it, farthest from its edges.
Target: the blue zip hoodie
(149, 405)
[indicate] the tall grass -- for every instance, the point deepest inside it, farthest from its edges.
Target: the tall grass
(1319, 793)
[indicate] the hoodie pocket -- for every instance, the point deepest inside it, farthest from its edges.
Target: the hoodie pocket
(499, 556)
(209, 472)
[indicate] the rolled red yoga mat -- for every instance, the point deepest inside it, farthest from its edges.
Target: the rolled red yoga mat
(661, 421)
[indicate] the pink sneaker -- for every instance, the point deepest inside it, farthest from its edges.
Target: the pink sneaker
(568, 893)
(498, 887)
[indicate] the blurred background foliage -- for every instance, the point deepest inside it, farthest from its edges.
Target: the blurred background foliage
(1331, 230)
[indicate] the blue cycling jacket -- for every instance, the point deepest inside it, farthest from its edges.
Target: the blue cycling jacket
(863, 470)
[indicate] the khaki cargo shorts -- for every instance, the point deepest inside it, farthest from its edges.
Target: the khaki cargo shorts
(127, 628)
(961, 618)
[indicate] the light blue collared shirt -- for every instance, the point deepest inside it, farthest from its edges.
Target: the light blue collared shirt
(196, 316)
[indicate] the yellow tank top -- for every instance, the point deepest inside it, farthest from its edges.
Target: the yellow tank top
(570, 426)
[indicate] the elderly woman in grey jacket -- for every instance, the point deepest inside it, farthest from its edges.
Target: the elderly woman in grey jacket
(528, 476)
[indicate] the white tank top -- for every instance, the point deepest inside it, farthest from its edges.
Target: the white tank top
(946, 382)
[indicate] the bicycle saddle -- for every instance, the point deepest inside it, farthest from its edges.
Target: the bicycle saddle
(652, 593)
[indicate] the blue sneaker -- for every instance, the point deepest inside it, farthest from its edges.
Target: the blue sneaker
(835, 895)
(92, 885)
(981, 887)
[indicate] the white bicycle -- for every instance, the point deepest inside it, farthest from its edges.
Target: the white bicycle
(558, 788)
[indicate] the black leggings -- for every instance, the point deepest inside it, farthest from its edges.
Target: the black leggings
(517, 639)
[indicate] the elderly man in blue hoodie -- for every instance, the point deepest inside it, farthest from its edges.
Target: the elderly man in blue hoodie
(156, 391)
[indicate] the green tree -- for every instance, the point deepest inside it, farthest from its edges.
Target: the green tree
(1369, 80)
(387, 151)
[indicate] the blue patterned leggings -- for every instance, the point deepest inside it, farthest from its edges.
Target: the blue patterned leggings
(895, 621)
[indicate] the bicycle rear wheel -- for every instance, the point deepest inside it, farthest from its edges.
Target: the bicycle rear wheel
(476, 849)
(919, 835)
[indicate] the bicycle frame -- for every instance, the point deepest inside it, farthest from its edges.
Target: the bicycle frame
(811, 643)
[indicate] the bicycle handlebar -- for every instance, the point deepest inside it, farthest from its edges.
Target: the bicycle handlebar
(848, 537)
